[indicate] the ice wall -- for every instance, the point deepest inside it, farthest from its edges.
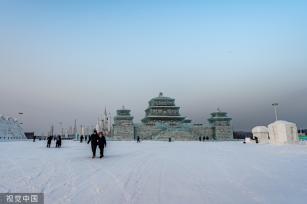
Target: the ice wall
(10, 129)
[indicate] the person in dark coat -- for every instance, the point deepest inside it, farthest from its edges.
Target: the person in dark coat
(58, 141)
(204, 138)
(49, 139)
(138, 139)
(94, 139)
(34, 137)
(102, 143)
(256, 139)
(81, 138)
(199, 138)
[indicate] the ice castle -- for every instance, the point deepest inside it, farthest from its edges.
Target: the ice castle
(163, 121)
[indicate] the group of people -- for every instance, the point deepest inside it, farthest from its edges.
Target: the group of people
(204, 138)
(58, 140)
(97, 140)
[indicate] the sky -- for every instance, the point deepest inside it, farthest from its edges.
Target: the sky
(67, 60)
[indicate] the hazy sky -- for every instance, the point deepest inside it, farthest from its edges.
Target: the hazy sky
(66, 60)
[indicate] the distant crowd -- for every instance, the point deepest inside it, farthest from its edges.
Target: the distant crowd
(57, 139)
(97, 140)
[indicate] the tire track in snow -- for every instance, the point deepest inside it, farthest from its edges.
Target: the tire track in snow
(133, 175)
(139, 177)
(69, 181)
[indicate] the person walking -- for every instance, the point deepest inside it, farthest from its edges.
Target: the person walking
(49, 139)
(58, 141)
(81, 138)
(138, 139)
(94, 139)
(102, 143)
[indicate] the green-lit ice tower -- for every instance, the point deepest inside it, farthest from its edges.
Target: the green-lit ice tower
(221, 125)
(123, 128)
(162, 110)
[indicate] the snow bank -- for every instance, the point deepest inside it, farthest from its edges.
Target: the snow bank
(157, 172)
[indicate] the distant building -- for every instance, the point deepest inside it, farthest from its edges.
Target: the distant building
(302, 131)
(29, 135)
(302, 134)
(242, 134)
(163, 121)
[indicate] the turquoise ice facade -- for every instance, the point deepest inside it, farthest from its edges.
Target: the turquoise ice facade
(163, 121)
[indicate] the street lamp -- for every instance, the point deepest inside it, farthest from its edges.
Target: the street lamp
(20, 113)
(275, 109)
(61, 130)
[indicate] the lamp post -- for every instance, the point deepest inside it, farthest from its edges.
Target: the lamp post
(275, 109)
(52, 129)
(61, 128)
(20, 113)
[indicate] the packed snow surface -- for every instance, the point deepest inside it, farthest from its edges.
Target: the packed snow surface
(157, 172)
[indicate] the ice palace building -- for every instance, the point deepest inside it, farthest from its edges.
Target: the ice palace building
(163, 121)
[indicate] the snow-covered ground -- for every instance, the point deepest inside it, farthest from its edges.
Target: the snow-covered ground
(157, 172)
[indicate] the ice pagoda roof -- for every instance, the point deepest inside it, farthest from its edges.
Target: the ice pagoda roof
(161, 97)
(162, 108)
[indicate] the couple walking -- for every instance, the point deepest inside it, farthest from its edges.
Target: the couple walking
(97, 140)
(58, 139)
